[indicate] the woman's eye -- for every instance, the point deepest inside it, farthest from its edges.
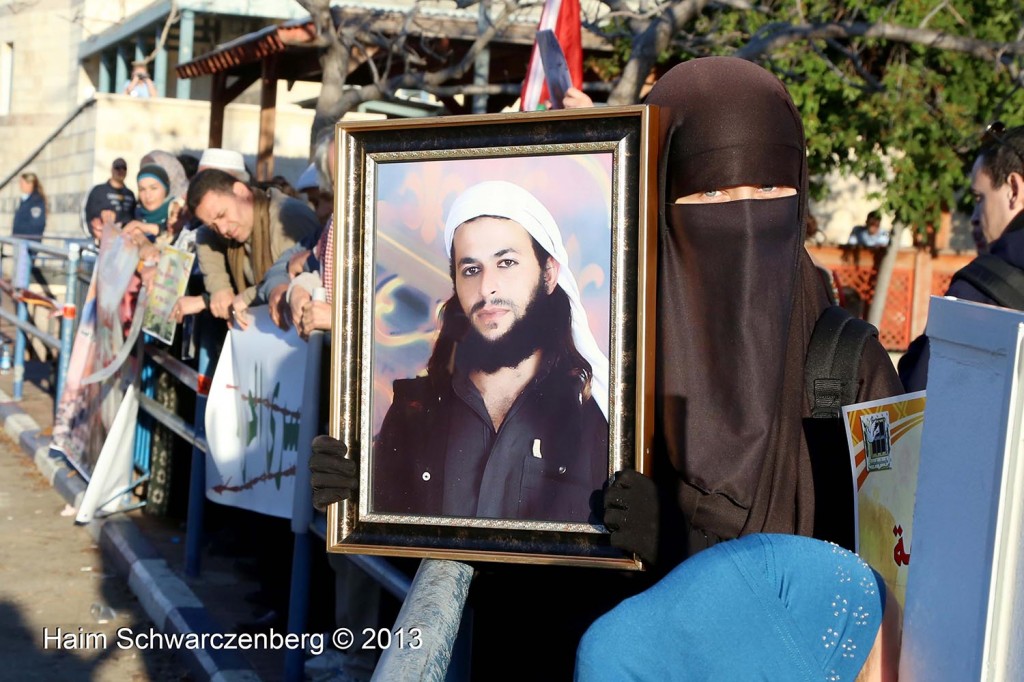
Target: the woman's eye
(768, 189)
(713, 193)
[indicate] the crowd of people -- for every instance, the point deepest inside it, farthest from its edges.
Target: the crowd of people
(731, 484)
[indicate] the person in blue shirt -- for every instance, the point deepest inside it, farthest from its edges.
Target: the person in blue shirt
(141, 85)
(870, 234)
(30, 217)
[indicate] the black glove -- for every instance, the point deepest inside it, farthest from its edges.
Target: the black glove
(333, 476)
(631, 514)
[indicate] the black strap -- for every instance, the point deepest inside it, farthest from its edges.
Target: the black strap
(832, 373)
(997, 279)
(833, 361)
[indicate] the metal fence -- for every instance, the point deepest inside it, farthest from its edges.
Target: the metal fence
(32, 256)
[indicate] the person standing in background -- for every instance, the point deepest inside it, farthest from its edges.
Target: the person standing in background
(112, 197)
(30, 217)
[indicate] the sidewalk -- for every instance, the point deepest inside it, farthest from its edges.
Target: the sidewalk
(146, 552)
(56, 582)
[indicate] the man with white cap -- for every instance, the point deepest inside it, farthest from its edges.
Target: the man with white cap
(215, 257)
(245, 231)
(227, 160)
(510, 421)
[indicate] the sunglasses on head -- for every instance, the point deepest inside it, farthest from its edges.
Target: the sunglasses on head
(994, 135)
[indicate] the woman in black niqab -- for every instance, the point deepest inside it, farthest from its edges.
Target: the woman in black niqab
(737, 301)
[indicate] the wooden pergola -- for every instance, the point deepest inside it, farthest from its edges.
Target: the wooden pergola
(290, 52)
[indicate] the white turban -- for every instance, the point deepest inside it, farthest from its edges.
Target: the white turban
(507, 200)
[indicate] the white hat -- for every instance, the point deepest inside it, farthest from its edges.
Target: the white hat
(226, 160)
(507, 200)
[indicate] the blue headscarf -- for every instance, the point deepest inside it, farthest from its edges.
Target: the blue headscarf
(158, 216)
(764, 607)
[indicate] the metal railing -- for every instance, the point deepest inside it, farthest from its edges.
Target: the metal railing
(30, 254)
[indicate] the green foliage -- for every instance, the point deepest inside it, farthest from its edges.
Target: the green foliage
(924, 115)
(907, 115)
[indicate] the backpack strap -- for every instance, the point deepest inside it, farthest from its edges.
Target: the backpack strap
(833, 360)
(832, 369)
(997, 279)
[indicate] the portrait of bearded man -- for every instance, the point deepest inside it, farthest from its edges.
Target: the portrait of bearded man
(510, 421)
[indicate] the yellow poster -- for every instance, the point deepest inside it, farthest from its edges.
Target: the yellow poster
(172, 273)
(884, 437)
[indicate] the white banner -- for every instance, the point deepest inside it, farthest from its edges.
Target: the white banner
(252, 418)
(111, 481)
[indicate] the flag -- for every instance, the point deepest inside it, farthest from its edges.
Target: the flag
(562, 17)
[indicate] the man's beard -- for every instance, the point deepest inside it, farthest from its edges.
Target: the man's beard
(530, 333)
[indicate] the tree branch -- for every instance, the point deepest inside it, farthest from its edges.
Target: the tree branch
(858, 65)
(654, 40)
(172, 18)
(939, 40)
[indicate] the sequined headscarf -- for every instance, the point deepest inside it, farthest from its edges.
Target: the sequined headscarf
(766, 607)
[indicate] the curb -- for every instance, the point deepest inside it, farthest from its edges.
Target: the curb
(166, 599)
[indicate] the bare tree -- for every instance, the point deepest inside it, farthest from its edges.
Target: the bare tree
(395, 60)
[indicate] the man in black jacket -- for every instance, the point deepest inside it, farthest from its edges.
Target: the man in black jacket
(509, 421)
(112, 198)
(997, 184)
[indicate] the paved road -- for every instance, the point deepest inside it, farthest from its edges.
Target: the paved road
(52, 581)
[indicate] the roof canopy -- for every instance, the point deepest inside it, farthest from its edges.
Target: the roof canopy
(290, 51)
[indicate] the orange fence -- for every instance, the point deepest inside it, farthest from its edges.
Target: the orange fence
(916, 277)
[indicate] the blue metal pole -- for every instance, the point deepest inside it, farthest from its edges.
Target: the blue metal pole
(145, 422)
(298, 605)
(67, 321)
(23, 268)
(197, 475)
(302, 502)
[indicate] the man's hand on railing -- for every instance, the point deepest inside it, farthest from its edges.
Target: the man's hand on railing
(240, 313)
(333, 476)
(279, 306)
(220, 303)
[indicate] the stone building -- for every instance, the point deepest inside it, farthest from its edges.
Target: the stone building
(63, 67)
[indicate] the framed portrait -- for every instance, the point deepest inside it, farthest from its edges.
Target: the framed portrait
(493, 336)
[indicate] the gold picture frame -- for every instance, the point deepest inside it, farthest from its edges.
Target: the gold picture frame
(594, 170)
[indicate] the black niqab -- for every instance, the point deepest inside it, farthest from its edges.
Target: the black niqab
(734, 302)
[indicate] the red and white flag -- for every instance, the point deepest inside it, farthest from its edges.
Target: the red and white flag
(563, 18)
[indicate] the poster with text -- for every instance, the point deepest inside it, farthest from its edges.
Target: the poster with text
(884, 437)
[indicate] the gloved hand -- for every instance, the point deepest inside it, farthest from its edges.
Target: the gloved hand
(631, 514)
(333, 476)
